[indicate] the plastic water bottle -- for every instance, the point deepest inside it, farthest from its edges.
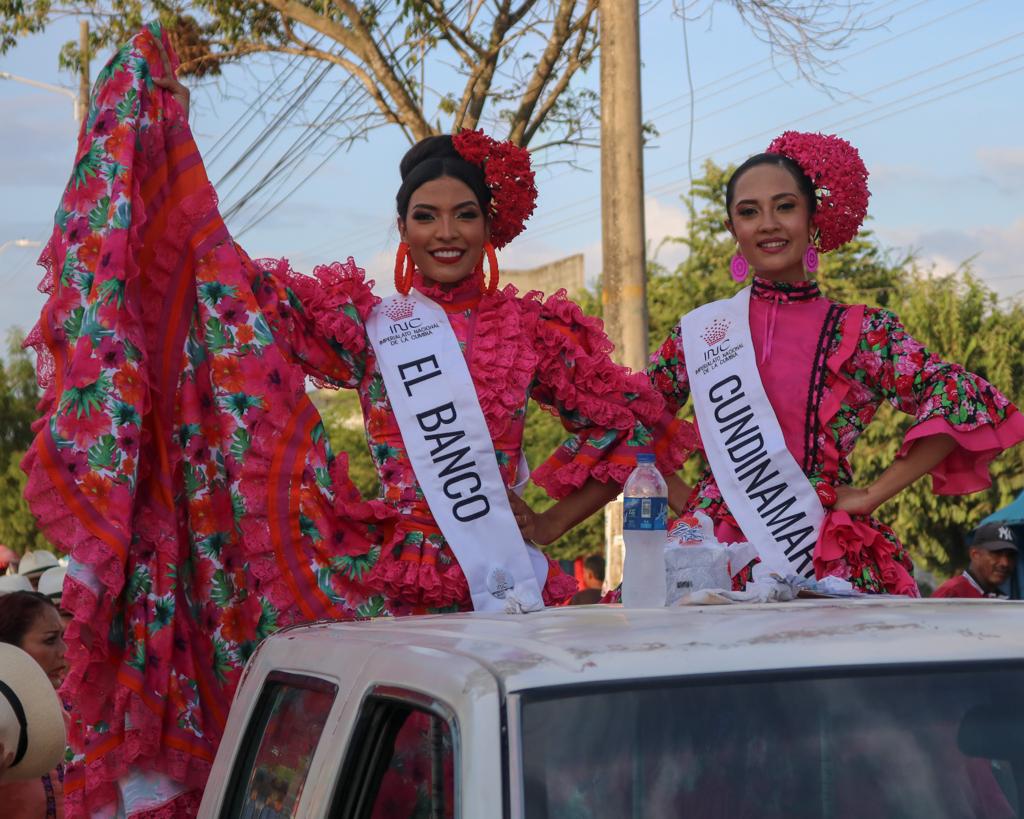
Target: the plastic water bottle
(644, 516)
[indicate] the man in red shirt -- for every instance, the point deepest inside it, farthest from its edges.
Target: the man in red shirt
(993, 556)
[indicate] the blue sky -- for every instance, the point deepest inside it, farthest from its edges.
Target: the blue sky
(931, 98)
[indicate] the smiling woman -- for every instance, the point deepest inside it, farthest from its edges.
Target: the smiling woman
(181, 464)
(784, 381)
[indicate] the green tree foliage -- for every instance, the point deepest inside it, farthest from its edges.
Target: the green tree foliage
(957, 316)
(343, 420)
(18, 397)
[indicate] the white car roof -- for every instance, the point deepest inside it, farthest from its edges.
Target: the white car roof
(581, 644)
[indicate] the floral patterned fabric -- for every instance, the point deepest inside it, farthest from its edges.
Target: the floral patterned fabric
(826, 393)
(180, 463)
(517, 348)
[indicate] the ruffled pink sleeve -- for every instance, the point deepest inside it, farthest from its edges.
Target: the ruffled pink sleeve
(613, 412)
(944, 398)
(319, 319)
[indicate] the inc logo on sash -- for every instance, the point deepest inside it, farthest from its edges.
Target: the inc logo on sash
(720, 347)
(400, 312)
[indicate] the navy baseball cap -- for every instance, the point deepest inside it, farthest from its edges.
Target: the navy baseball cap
(995, 537)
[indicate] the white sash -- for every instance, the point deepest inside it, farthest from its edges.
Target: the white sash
(766, 490)
(450, 448)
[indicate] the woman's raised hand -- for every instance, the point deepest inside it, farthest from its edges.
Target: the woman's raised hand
(169, 81)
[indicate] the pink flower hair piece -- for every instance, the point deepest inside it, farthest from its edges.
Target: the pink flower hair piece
(509, 177)
(840, 182)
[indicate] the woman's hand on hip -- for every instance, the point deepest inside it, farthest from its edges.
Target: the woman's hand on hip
(854, 500)
(534, 526)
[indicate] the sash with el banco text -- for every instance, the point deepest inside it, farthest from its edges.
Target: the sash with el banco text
(765, 488)
(450, 448)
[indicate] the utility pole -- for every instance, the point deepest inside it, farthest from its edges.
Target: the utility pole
(624, 274)
(83, 76)
(624, 264)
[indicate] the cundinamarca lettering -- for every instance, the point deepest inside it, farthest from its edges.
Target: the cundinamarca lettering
(744, 444)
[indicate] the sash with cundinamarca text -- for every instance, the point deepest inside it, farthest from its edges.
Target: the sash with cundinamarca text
(766, 490)
(450, 448)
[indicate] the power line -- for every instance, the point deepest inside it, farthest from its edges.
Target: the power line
(671, 186)
(888, 41)
(867, 49)
(230, 134)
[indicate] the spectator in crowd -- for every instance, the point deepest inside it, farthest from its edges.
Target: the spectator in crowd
(993, 555)
(32, 733)
(51, 584)
(29, 621)
(274, 808)
(593, 580)
(33, 564)
(13, 583)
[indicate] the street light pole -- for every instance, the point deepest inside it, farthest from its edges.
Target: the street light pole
(79, 101)
(18, 243)
(67, 92)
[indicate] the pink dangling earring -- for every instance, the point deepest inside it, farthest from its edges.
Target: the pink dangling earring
(811, 259)
(739, 267)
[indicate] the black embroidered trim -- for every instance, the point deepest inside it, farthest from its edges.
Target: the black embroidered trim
(817, 387)
(765, 290)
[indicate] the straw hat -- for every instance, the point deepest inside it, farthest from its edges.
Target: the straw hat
(36, 562)
(51, 583)
(14, 582)
(31, 719)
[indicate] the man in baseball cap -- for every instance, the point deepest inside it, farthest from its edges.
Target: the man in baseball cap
(993, 553)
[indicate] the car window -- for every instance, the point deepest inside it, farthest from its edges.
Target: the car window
(401, 764)
(936, 741)
(277, 747)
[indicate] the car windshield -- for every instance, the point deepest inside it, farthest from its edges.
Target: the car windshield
(935, 741)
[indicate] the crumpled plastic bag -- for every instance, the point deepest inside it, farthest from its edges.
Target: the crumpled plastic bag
(695, 560)
(771, 588)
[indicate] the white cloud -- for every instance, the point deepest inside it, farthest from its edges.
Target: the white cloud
(665, 221)
(996, 252)
(999, 160)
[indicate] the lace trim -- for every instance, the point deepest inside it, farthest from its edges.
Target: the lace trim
(466, 290)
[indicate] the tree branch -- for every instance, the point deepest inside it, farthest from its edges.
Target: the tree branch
(542, 71)
(378, 77)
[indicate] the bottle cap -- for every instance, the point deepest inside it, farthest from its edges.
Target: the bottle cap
(645, 458)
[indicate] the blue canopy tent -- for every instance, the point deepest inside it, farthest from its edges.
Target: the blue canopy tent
(1013, 516)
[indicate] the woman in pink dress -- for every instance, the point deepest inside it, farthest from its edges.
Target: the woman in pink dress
(826, 367)
(181, 464)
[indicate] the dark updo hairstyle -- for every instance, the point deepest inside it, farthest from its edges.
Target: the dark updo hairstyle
(433, 158)
(18, 612)
(803, 182)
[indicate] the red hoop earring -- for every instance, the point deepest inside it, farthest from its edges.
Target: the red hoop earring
(492, 264)
(403, 269)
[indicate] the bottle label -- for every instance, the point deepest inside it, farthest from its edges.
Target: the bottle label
(645, 514)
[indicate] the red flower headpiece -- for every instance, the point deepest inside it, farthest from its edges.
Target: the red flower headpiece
(508, 176)
(840, 183)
